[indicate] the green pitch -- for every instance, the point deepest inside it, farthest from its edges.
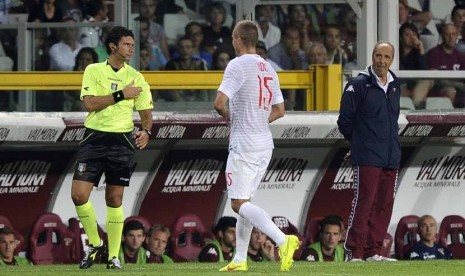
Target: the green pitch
(268, 269)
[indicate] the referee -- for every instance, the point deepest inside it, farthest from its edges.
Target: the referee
(110, 92)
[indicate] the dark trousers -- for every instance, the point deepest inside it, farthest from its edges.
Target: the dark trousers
(374, 192)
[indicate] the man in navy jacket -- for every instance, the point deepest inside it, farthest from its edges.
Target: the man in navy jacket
(368, 120)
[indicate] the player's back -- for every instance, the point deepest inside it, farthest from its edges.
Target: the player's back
(250, 106)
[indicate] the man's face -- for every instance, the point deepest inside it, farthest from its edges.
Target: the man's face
(316, 55)
(459, 18)
(257, 239)
(331, 236)
(292, 40)
(382, 59)
(185, 49)
(8, 245)
(229, 237)
(157, 243)
(147, 9)
(332, 38)
(427, 230)
(134, 239)
(196, 34)
(125, 48)
(449, 36)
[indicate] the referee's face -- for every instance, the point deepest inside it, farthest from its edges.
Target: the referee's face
(125, 48)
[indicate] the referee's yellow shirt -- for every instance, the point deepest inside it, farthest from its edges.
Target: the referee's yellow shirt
(100, 80)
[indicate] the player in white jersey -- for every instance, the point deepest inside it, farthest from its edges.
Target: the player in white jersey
(251, 86)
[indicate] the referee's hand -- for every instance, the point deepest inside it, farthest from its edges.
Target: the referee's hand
(142, 139)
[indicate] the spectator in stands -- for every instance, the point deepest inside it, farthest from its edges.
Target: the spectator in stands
(289, 55)
(41, 50)
(145, 56)
(186, 61)
(45, 11)
(332, 41)
(215, 16)
(328, 248)
(156, 243)
(131, 250)
(458, 18)
(260, 247)
(63, 53)
(368, 116)
(262, 51)
(72, 101)
(320, 16)
(157, 57)
(194, 30)
(421, 16)
(155, 34)
(427, 248)
(269, 33)
(348, 28)
(73, 9)
(445, 56)
(8, 244)
(96, 11)
(316, 54)
(220, 60)
(412, 56)
(298, 17)
(222, 247)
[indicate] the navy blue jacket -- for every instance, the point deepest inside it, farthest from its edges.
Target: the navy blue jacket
(368, 119)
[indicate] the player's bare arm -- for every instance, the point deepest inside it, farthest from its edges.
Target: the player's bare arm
(143, 136)
(277, 111)
(220, 105)
(96, 103)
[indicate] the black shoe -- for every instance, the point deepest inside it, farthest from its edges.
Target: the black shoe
(92, 252)
(114, 263)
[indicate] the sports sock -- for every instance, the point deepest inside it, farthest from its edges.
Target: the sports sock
(243, 232)
(86, 214)
(260, 219)
(115, 223)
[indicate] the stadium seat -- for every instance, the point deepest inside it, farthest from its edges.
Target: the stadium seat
(406, 103)
(5, 222)
(387, 244)
(145, 222)
(406, 236)
(51, 242)
(80, 246)
(174, 24)
(289, 229)
(438, 103)
(451, 234)
(187, 238)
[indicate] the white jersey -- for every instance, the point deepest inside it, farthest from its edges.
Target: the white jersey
(252, 87)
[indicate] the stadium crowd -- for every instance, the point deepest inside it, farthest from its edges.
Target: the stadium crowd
(292, 35)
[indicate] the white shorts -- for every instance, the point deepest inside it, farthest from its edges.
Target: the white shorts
(244, 172)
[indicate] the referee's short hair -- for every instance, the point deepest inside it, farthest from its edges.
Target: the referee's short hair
(115, 35)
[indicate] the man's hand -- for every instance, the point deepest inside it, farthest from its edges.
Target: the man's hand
(268, 249)
(131, 91)
(142, 139)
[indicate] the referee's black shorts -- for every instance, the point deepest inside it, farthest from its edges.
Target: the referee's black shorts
(105, 152)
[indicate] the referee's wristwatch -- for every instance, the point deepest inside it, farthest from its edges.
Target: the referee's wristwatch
(149, 132)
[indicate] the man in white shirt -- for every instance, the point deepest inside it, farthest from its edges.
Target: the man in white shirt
(251, 86)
